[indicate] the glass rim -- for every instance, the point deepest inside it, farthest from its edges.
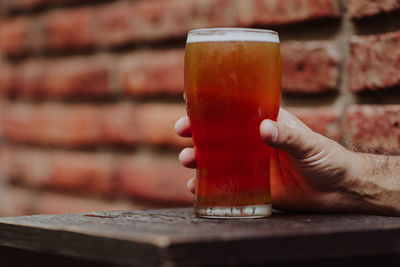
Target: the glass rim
(232, 34)
(253, 30)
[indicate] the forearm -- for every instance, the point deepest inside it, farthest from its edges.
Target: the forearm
(374, 184)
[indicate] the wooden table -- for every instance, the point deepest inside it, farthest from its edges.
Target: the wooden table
(174, 237)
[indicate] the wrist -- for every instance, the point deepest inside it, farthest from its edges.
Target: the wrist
(364, 188)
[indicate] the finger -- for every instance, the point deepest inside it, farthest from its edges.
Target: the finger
(182, 127)
(289, 135)
(191, 185)
(287, 118)
(184, 96)
(188, 157)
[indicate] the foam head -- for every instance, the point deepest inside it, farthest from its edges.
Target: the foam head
(232, 34)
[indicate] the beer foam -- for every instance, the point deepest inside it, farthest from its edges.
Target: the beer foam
(232, 34)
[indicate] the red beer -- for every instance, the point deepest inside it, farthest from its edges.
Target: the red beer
(232, 83)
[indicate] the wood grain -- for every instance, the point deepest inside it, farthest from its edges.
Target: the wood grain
(174, 237)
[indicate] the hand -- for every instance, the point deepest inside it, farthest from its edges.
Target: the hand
(309, 172)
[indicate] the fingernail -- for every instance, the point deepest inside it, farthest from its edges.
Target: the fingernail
(182, 155)
(191, 185)
(268, 128)
(178, 124)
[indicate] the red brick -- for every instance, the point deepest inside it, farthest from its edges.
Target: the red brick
(63, 170)
(155, 178)
(54, 203)
(51, 124)
(70, 29)
(16, 122)
(3, 7)
(374, 62)
(252, 12)
(115, 24)
(358, 9)
(84, 172)
(152, 72)
(66, 2)
(309, 67)
(6, 79)
(29, 5)
(6, 159)
(30, 167)
(373, 128)
(28, 79)
(77, 77)
(158, 179)
(74, 2)
(151, 124)
(155, 124)
(16, 201)
(78, 125)
(86, 126)
(119, 124)
(15, 36)
(323, 120)
(25, 5)
(159, 19)
(20, 201)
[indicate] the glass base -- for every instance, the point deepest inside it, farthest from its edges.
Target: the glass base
(238, 212)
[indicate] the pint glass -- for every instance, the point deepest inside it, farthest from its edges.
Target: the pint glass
(232, 83)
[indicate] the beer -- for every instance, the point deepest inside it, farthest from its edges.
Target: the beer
(232, 83)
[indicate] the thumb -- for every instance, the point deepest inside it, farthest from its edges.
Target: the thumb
(289, 134)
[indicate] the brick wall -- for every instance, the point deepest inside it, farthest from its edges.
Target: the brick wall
(90, 90)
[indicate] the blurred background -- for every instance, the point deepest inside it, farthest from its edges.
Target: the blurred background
(90, 91)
